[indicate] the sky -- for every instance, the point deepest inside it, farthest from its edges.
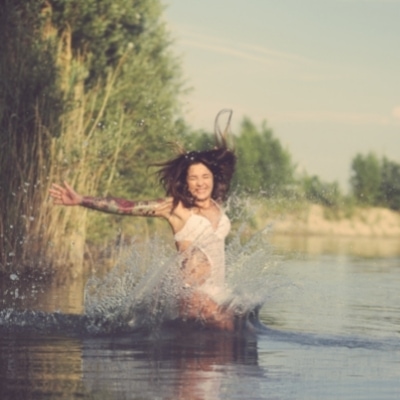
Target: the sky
(323, 74)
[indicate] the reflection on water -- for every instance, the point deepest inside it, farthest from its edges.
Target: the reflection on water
(183, 366)
(36, 293)
(318, 245)
(179, 365)
(32, 367)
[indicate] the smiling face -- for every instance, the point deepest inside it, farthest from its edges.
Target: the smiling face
(200, 182)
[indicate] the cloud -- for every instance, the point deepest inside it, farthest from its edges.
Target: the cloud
(396, 112)
(225, 50)
(240, 50)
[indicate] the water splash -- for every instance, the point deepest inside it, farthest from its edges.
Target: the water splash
(252, 272)
(140, 291)
(144, 289)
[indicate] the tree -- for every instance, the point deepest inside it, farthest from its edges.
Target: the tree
(390, 184)
(316, 191)
(366, 178)
(124, 48)
(376, 182)
(89, 94)
(263, 164)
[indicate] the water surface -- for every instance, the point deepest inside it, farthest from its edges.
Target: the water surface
(333, 330)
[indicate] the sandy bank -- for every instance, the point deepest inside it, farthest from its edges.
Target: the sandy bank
(314, 220)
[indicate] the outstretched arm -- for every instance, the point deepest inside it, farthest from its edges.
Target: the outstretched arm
(116, 205)
(67, 196)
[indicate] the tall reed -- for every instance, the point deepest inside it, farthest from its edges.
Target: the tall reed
(51, 130)
(28, 86)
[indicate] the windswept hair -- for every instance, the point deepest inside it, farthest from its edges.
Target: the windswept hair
(220, 161)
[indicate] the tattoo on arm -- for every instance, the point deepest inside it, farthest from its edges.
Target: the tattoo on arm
(115, 205)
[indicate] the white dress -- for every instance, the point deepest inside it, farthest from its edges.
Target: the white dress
(211, 242)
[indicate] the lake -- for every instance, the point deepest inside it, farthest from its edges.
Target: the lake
(331, 309)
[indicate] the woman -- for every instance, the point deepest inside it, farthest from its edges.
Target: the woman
(196, 184)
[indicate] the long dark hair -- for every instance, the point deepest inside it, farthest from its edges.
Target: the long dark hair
(220, 161)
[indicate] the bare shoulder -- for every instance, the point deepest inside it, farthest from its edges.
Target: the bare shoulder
(181, 211)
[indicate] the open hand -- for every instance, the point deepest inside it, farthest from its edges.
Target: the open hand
(65, 195)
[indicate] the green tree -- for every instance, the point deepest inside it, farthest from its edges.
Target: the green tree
(264, 166)
(89, 93)
(99, 31)
(133, 80)
(365, 180)
(317, 191)
(128, 36)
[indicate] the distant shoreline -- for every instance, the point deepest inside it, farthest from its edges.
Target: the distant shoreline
(313, 220)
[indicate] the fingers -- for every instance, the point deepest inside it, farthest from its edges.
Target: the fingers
(62, 189)
(56, 191)
(64, 195)
(68, 186)
(69, 191)
(55, 186)
(58, 194)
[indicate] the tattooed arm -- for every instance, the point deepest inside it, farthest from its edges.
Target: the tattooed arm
(115, 205)
(67, 196)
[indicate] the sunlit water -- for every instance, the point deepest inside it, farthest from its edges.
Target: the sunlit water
(332, 318)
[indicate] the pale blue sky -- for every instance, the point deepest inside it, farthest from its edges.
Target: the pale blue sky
(324, 74)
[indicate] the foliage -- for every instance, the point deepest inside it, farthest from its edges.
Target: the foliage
(376, 182)
(93, 98)
(127, 37)
(390, 184)
(324, 193)
(198, 140)
(101, 31)
(366, 178)
(263, 166)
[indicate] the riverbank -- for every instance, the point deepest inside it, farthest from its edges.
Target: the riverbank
(315, 220)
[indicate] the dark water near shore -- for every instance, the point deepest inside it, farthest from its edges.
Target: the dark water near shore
(333, 332)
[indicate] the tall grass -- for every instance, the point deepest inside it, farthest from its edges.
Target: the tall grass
(51, 130)
(27, 88)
